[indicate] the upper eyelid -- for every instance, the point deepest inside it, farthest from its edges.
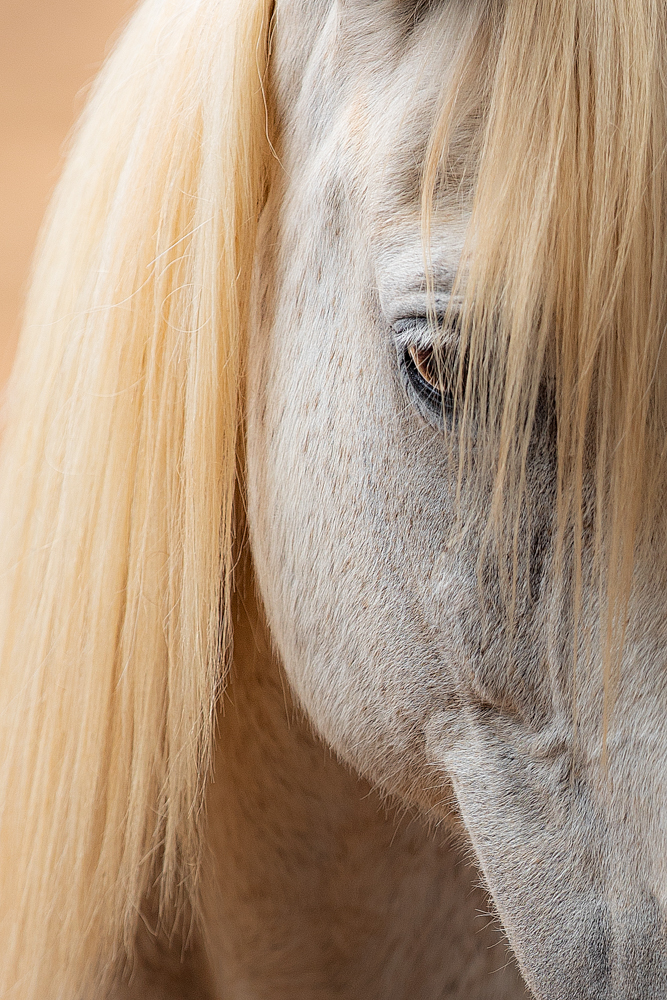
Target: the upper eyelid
(420, 331)
(413, 332)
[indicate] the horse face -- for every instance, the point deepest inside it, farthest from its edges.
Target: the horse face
(404, 663)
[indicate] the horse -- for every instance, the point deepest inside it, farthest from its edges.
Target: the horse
(332, 605)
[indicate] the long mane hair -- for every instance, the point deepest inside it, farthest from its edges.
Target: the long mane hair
(119, 471)
(564, 274)
(119, 460)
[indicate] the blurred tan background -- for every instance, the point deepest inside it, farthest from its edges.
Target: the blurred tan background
(49, 52)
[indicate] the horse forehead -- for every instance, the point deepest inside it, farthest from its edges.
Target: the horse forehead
(305, 17)
(337, 47)
(354, 95)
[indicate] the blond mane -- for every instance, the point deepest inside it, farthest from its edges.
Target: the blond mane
(119, 469)
(564, 270)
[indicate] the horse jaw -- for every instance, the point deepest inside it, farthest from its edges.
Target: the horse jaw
(572, 848)
(402, 666)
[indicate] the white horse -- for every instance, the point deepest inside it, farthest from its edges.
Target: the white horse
(344, 344)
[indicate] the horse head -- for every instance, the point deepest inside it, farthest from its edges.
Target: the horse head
(368, 544)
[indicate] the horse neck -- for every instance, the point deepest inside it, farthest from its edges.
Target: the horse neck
(311, 872)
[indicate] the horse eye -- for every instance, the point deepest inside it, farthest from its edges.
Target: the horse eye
(424, 360)
(429, 381)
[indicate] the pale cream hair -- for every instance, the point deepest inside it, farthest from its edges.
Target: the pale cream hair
(120, 441)
(562, 109)
(118, 478)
